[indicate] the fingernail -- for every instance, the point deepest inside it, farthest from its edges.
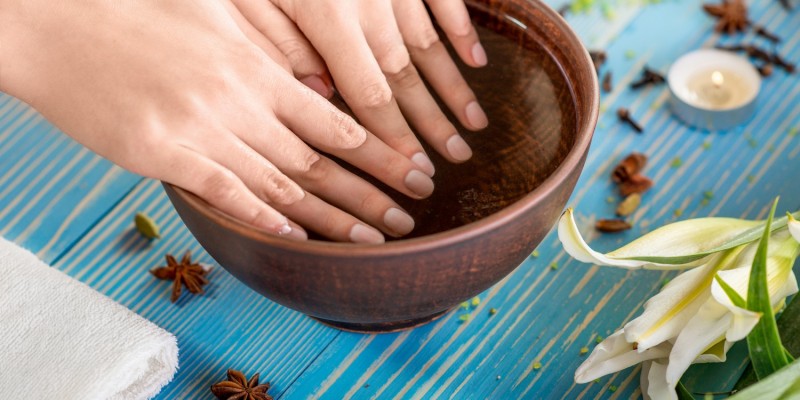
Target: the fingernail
(317, 84)
(475, 115)
(284, 229)
(398, 221)
(424, 162)
(479, 55)
(362, 234)
(419, 183)
(297, 233)
(458, 148)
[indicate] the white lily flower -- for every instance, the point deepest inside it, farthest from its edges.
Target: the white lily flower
(691, 240)
(794, 227)
(691, 320)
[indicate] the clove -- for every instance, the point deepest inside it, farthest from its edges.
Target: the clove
(625, 116)
(607, 86)
(763, 32)
(779, 61)
(786, 5)
(563, 10)
(598, 58)
(765, 69)
(649, 77)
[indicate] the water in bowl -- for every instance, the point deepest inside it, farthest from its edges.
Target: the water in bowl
(532, 124)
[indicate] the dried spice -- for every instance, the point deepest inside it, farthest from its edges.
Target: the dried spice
(676, 162)
(186, 273)
(239, 388)
(635, 184)
(765, 69)
(563, 10)
(731, 16)
(598, 339)
(536, 365)
(706, 145)
(779, 61)
(629, 205)
(612, 388)
(607, 87)
(598, 58)
(476, 301)
(535, 253)
(612, 225)
(465, 305)
(584, 350)
(630, 54)
(649, 77)
(554, 265)
(464, 318)
(146, 226)
(678, 212)
(492, 311)
(763, 32)
(625, 116)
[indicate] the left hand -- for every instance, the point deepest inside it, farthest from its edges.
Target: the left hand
(373, 49)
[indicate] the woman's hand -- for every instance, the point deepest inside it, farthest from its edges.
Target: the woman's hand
(373, 49)
(180, 91)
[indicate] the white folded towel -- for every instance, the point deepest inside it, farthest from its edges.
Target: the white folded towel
(60, 339)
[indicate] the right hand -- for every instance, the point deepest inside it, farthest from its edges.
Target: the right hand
(177, 92)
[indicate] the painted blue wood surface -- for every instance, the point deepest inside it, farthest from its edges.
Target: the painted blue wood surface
(75, 209)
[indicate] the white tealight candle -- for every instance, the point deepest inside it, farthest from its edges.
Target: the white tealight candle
(713, 89)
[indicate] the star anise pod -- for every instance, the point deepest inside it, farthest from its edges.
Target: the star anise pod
(237, 387)
(185, 273)
(732, 15)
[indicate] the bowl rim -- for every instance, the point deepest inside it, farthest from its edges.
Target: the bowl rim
(440, 239)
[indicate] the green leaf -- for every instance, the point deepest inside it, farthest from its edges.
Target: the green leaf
(763, 342)
(683, 393)
(737, 300)
(146, 226)
(782, 385)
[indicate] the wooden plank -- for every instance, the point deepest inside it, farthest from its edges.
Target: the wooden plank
(548, 315)
(51, 188)
(228, 327)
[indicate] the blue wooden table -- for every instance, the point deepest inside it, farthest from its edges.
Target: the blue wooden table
(75, 210)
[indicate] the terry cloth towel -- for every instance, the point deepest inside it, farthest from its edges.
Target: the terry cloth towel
(60, 339)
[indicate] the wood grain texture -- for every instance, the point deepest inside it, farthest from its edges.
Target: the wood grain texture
(543, 314)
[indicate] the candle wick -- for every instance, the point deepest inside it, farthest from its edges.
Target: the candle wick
(717, 79)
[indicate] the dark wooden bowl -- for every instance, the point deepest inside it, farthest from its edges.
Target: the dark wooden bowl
(485, 217)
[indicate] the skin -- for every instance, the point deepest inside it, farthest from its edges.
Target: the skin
(226, 99)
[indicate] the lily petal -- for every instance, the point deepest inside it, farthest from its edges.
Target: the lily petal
(675, 246)
(615, 354)
(703, 331)
(654, 383)
(794, 227)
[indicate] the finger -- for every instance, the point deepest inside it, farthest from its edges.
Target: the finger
(256, 37)
(222, 189)
(306, 63)
(324, 178)
(453, 17)
(329, 221)
(430, 55)
(361, 81)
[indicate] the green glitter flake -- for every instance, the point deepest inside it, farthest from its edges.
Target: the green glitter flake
(706, 145)
(584, 350)
(554, 265)
(676, 162)
(492, 311)
(608, 12)
(612, 388)
(752, 142)
(751, 178)
(704, 202)
(598, 339)
(655, 106)
(708, 194)
(610, 199)
(465, 305)
(678, 212)
(464, 318)
(630, 54)
(535, 253)
(794, 131)
(537, 366)
(476, 301)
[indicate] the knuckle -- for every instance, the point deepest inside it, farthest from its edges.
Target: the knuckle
(405, 78)
(294, 49)
(370, 201)
(375, 95)
(395, 60)
(426, 39)
(219, 187)
(307, 161)
(344, 131)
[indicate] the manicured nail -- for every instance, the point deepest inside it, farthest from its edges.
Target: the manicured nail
(297, 233)
(475, 115)
(284, 229)
(479, 54)
(458, 148)
(419, 183)
(424, 162)
(317, 84)
(363, 234)
(398, 221)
